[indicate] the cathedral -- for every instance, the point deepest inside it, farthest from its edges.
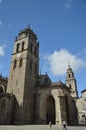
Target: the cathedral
(28, 97)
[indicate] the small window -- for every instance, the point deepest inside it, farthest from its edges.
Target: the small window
(21, 62)
(83, 115)
(70, 86)
(17, 48)
(23, 43)
(15, 64)
(69, 75)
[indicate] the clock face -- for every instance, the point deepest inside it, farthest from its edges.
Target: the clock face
(18, 55)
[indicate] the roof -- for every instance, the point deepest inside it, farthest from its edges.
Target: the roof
(3, 78)
(44, 81)
(60, 85)
(83, 91)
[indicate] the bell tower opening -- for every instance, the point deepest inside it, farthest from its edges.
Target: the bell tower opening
(50, 110)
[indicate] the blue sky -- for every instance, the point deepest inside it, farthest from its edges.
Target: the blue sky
(61, 29)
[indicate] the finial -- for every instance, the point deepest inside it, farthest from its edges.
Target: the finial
(29, 26)
(68, 64)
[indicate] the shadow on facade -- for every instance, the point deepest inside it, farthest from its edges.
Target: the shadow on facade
(50, 110)
(72, 112)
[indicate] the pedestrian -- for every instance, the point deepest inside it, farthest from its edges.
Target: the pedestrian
(50, 124)
(64, 125)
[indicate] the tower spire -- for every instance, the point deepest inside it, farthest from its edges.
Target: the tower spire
(71, 82)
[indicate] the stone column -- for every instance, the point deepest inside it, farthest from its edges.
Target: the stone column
(57, 110)
(60, 106)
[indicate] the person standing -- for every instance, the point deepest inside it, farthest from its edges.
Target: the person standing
(64, 125)
(50, 124)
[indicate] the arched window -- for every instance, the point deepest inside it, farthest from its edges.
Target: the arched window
(15, 64)
(23, 43)
(1, 89)
(21, 62)
(69, 75)
(70, 86)
(17, 47)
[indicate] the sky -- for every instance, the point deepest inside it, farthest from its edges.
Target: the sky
(60, 26)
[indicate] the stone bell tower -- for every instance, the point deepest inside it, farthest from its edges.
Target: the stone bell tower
(23, 74)
(71, 82)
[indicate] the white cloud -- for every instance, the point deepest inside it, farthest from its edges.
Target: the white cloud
(2, 51)
(57, 62)
(68, 4)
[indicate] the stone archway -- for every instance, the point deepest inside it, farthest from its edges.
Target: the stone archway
(50, 110)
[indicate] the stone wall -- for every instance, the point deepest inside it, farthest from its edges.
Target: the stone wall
(63, 110)
(81, 107)
(6, 107)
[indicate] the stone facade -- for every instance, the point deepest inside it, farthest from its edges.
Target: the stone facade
(6, 108)
(56, 104)
(81, 107)
(32, 97)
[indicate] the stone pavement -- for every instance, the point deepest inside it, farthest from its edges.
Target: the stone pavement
(39, 127)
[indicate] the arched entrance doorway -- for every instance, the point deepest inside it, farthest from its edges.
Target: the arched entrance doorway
(50, 110)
